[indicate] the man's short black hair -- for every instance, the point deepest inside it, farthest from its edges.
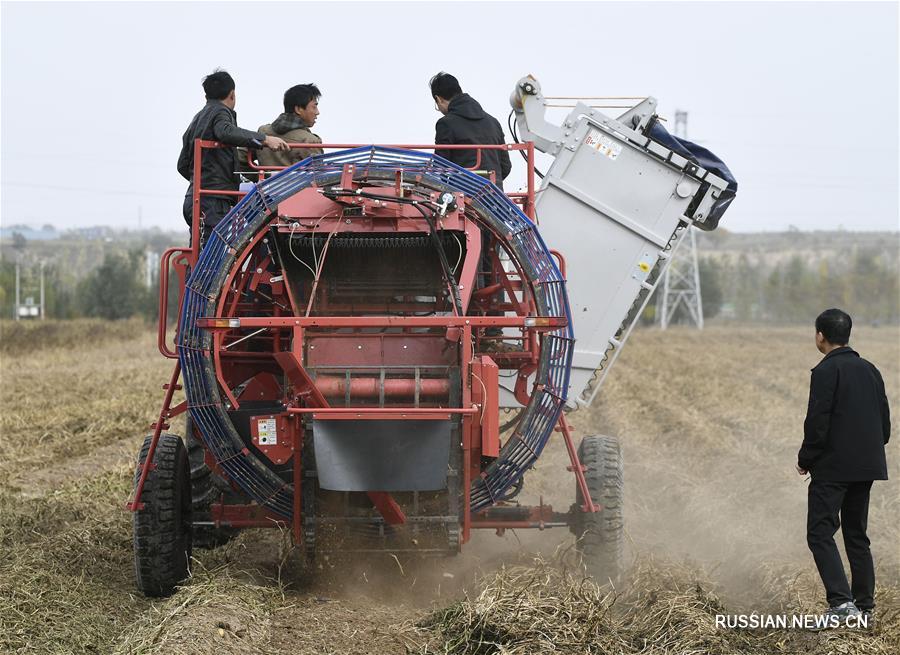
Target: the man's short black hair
(835, 326)
(218, 84)
(445, 86)
(300, 96)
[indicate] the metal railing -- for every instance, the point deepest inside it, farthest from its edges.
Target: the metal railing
(526, 199)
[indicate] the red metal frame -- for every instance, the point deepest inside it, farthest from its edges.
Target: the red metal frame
(479, 431)
(158, 427)
(539, 324)
(525, 199)
(163, 307)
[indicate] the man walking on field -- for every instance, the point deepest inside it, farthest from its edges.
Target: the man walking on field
(847, 426)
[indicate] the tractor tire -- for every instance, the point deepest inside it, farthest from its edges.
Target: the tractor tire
(600, 536)
(206, 488)
(162, 528)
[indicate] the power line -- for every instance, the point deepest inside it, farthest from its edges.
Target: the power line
(103, 192)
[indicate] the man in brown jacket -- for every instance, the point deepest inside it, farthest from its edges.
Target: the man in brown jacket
(301, 108)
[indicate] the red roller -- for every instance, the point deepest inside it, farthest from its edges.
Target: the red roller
(368, 387)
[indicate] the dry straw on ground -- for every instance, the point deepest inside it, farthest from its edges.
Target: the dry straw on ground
(664, 609)
(29, 336)
(709, 426)
(65, 569)
(213, 614)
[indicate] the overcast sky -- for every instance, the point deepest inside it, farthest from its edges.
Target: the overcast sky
(800, 100)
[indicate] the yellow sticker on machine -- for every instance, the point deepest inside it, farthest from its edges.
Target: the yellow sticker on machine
(645, 265)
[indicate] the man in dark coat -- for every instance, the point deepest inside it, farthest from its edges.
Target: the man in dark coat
(217, 121)
(464, 121)
(847, 426)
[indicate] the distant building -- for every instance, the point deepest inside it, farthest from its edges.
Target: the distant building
(91, 233)
(46, 233)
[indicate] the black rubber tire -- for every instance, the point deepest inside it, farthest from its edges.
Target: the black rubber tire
(162, 529)
(600, 536)
(206, 488)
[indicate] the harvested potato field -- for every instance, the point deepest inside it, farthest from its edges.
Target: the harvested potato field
(715, 517)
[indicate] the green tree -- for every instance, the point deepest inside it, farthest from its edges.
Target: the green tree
(19, 242)
(711, 274)
(7, 288)
(748, 289)
(60, 293)
(113, 290)
(798, 296)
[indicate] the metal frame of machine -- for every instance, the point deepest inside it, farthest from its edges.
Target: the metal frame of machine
(352, 388)
(478, 407)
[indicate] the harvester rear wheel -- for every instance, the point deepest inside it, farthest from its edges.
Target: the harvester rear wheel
(162, 528)
(206, 487)
(600, 535)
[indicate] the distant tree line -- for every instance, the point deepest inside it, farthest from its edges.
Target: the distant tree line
(864, 282)
(116, 289)
(745, 288)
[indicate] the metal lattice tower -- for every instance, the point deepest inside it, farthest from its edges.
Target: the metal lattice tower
(680, 285)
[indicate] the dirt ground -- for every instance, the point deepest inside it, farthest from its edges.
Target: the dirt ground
(709, 422)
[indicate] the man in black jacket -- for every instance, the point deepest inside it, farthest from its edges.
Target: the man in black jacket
(847, 426)
(217, 121)
(464, 121)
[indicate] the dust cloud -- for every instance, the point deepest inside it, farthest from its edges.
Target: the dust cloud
(709, 425)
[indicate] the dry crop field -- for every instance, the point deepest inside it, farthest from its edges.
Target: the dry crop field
(715, 514)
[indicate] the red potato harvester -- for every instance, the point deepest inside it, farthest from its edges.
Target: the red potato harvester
(375, 344)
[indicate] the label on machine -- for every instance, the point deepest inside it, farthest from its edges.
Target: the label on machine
(274, 435)
(267, 431)
(603, 144)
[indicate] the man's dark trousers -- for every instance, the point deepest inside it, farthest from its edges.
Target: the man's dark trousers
(850, 500)
(212, 210)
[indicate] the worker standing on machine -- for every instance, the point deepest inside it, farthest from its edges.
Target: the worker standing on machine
(217, 121)
(301, 109)
(464, 121)
(847, 426)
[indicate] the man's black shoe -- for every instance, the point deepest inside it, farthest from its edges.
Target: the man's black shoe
(867, 618)
(836, 617)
